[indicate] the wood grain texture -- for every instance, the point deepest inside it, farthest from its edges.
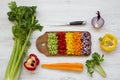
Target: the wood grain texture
(61, 11)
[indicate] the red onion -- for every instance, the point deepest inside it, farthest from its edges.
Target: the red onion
(97, 21)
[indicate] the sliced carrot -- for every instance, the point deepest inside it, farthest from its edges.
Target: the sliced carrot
(65, 66)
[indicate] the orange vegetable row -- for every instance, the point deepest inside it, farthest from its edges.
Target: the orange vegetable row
(77, 43)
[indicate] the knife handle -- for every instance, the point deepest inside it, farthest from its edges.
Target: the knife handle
(77, 23)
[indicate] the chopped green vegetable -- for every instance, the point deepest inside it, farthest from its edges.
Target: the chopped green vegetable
(25, 23)
(94, 64)
(52, 43)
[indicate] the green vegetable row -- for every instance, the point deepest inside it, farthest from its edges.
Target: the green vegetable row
(52, 43)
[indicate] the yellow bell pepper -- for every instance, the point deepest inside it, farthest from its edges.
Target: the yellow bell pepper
(108, 42)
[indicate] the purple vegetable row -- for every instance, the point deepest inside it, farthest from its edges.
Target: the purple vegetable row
(86, 43)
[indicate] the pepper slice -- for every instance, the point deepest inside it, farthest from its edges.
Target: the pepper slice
(108, 42)
(32, 62)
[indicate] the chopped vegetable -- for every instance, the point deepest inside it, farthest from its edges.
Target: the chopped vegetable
(69, 43)
(65, 66)
(61, 43)
(86, 43)
(94, 64)
(108, 42)
(25, 23)
(77, 44)
(32, 62)
(52, 43)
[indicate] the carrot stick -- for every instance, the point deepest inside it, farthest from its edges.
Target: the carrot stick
(79, 65)
(62, 65)
(65, 66)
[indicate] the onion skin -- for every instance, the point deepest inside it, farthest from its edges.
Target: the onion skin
(98, 21)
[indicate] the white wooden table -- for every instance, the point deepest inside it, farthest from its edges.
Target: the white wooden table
(60, 11)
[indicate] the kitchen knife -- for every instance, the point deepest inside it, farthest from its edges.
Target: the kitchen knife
(74, 23)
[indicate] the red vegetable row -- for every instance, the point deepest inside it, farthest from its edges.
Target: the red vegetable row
(61, 43)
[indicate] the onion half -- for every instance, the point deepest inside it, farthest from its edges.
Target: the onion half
(98, 21)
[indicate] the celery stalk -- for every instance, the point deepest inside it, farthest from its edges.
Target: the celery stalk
(25, 23)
